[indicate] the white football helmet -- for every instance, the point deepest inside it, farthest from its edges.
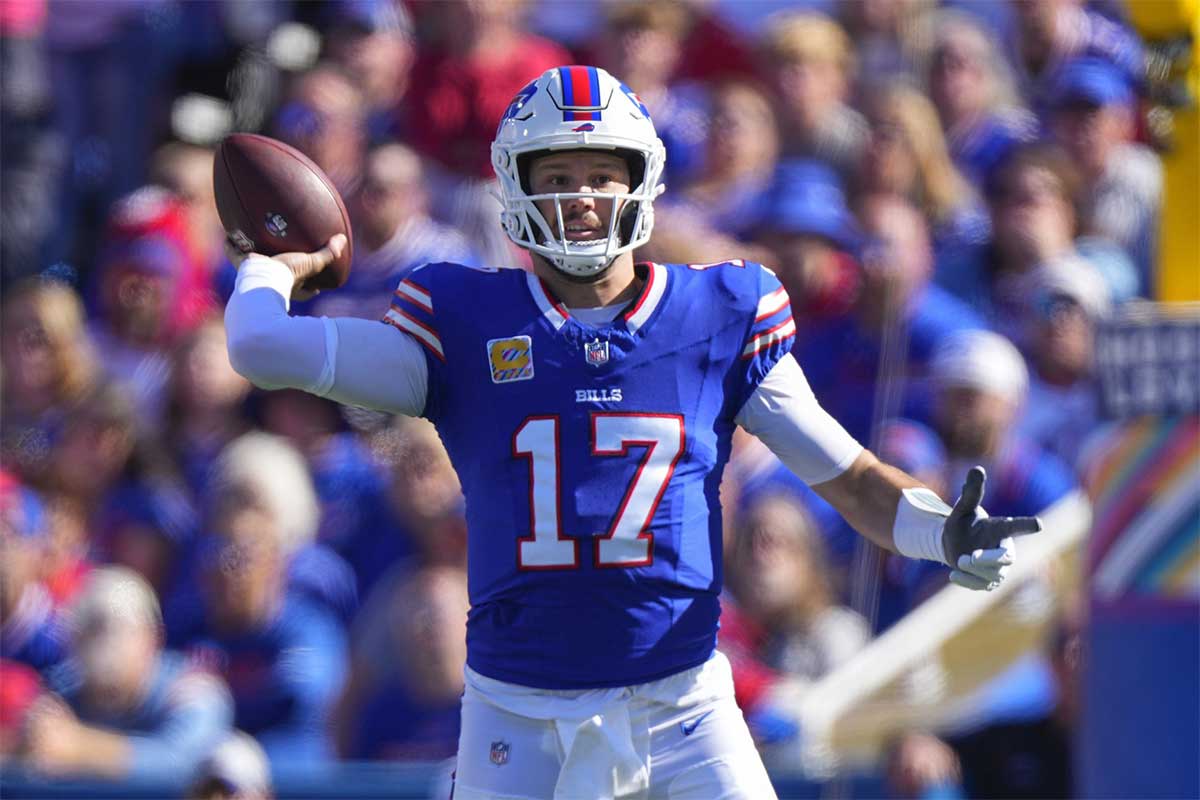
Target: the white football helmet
(573, 108)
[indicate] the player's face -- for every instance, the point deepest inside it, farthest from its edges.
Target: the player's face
(584, 218)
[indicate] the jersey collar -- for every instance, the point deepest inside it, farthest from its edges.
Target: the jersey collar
(638, 314)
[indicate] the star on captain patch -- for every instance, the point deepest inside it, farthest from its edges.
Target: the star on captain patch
(510, 359)
(595, 352)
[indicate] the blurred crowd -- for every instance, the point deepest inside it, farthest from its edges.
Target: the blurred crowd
(202, 579)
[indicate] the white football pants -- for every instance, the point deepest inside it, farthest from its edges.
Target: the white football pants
(679, 738)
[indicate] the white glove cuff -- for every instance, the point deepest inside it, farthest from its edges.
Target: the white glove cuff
(920, 517)
(259, 271)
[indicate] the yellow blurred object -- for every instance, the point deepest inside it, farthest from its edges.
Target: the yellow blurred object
(1179, 233)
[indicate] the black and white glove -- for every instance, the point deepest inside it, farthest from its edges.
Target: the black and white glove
(981, 549)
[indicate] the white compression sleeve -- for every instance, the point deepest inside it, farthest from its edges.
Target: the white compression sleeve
(355, 361)
(785, 415)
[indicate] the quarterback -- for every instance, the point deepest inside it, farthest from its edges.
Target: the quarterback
(588, 407)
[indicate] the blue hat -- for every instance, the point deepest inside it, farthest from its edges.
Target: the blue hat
(1091, 80)
(806, 197)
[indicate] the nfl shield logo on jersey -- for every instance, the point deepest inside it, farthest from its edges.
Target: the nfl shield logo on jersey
(510, 359)
(500, 753)
(596, 352)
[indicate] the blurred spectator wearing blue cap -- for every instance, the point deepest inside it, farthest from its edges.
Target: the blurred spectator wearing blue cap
(972, 86)
(1063, 406)
(124, 708)
(1034, 196)
(804, 221)
(869, 364)
(1052, 32)
(1092, 116)
(31, 632)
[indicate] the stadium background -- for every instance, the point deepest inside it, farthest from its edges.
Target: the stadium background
(881, 155)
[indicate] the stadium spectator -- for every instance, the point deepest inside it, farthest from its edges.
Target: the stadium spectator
(186, 170)
(204, 404)
(425, 493)
(144, 298)
(282, 654)
(890, 39)
(643, 42)
(356, 521)
(700, 220)
(780, 580)
(1063, 405)
(474, 57)
(70, 552)
(973, 88)
(394, 234)
(1052, 33)
(324, 117)
(48, 365)
(373, 42)
(980, 383)
(236, 769)
(31, 632)
(125, 708)
(1093, 117)
(906, 156)
(401, 701)
(1033, 195)
(812, 63)
(803, 220)
(872, 362)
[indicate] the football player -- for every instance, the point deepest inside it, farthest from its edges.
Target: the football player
(588, 408)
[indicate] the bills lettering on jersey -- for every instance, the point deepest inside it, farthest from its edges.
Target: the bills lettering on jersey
(598, 395)
(510, 359)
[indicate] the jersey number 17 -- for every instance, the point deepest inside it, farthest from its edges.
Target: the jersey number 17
(628, 542)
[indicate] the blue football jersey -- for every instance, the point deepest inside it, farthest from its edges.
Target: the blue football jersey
(591, 458)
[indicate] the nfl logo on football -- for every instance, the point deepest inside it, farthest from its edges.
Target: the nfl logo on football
(500, 753)
(596, 352)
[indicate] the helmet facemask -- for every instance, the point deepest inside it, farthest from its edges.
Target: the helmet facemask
(629, 224)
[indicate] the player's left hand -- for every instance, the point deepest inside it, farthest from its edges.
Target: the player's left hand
(979, 548)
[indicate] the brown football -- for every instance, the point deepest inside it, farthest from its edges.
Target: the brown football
(273, 199)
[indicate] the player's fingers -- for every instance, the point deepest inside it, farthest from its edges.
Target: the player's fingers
(969, 581)
(998, 556)
(990, 532)
(972, 491)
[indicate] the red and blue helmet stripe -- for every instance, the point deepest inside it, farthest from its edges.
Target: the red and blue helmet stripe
(581, 93)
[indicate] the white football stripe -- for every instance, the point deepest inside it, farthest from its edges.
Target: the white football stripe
(772, 303)
(416, 295)
(428, 337)
(770, 337)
